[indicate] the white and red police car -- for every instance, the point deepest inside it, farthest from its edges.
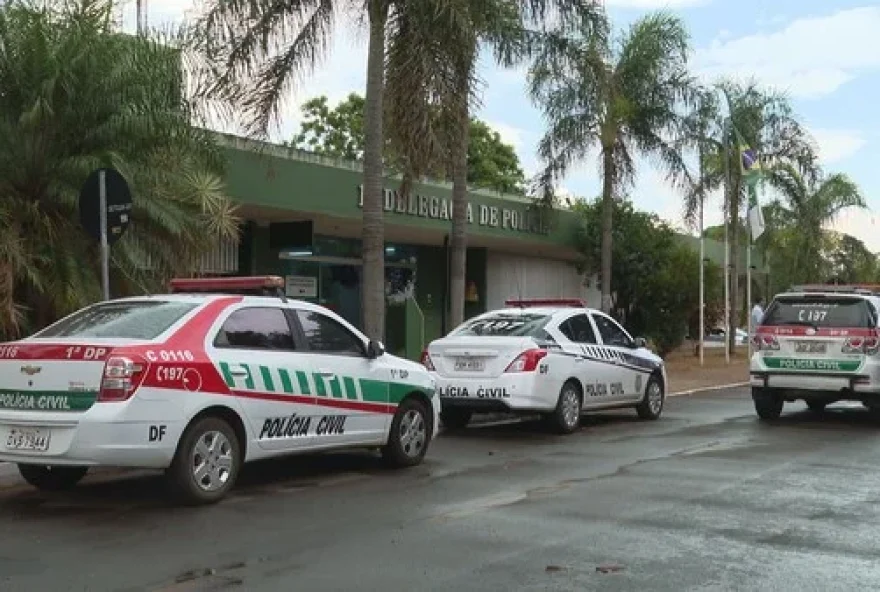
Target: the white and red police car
(201, 380)
(555, 357)
(818, 343)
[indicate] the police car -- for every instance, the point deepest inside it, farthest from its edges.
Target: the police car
(201, 380)
(818, 343)
(555, 357)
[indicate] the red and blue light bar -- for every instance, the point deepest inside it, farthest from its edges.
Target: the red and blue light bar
(253, 284)
(535, 302)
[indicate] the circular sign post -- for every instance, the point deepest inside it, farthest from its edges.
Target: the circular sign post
(105, 213)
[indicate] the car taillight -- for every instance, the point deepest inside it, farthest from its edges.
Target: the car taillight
(527, 361)
(766, 342)
(426, 361)
(122, 377)
(857, 345)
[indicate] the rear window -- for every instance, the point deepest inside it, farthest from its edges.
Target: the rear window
(124, 320)
(821, 312)
(505, 325)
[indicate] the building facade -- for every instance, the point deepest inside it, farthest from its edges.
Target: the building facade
(303, 215)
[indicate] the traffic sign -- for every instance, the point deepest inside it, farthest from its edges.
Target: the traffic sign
(117, 209)
(105, 213)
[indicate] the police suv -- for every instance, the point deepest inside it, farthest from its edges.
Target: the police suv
(818, 343)
(201, 380)
(555, 357)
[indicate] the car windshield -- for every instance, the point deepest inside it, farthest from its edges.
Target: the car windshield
(505, 325)
(145, 319)
(817, 311)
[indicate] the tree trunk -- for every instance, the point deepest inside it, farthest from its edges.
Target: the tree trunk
(458, 239)
(607, 225)
(373, 234)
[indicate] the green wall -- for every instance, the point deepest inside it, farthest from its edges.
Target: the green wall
(279, 177)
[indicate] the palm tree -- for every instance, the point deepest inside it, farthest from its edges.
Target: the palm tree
(620, 96)
(258, 50)
(805, 208)
(74, 96)
(761, 119)
(430, 100)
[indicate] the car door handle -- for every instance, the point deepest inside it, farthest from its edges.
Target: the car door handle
(239, 371)
(326, 373)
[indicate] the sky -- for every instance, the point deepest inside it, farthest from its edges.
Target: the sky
(824, 55)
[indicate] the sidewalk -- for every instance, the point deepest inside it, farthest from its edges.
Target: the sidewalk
(686, 374)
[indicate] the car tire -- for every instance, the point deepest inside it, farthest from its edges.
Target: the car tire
(566, 418)
(768, 405)
(52, 478)
(409, 435)
(207, 462)
(651, 406)
(455, 418)
(816, 406)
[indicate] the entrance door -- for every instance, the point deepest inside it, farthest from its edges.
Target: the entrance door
(340, 290)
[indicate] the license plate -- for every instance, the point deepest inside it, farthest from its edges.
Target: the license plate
(809, 347)
(467, 365)
(35, 439)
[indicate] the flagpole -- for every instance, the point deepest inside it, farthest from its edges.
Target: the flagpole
(749, 284)
(702, 334)
(702, 282)
(730, 215)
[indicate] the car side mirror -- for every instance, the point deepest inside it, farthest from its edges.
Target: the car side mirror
(375, 349)
(640, 342)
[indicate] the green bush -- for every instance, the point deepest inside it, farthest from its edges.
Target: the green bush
(655, 275)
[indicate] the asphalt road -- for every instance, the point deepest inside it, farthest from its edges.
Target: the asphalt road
(706, 498)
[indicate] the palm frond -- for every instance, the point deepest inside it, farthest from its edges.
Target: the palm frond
(75, 96)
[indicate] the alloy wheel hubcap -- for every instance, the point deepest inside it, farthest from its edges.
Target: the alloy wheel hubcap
(413, 433)
(571, 409)
(655, 398)
(212, 462)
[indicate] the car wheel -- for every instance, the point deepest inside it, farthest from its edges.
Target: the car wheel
(816, 406)
(409, 435)
(651, 405)
(207, 462)
(566, 418)
(455, 419)
(768, 406)
(52, 478)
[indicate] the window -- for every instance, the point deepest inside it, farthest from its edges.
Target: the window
(326, 335)
(505, 324)
(137, 319)
(578, 329)
(256, 328)
(611, 332)
(820, 311)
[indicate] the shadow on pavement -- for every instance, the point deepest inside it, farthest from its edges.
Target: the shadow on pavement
(109, 492)
(834, 417)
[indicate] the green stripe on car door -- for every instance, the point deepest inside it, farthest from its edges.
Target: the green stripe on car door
(350, 388)
(286, 385)
(267, 379)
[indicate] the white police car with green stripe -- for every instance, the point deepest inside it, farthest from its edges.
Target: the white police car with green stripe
(554, 357)
(198, 384)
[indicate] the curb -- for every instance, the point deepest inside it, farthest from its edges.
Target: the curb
(706, 389)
